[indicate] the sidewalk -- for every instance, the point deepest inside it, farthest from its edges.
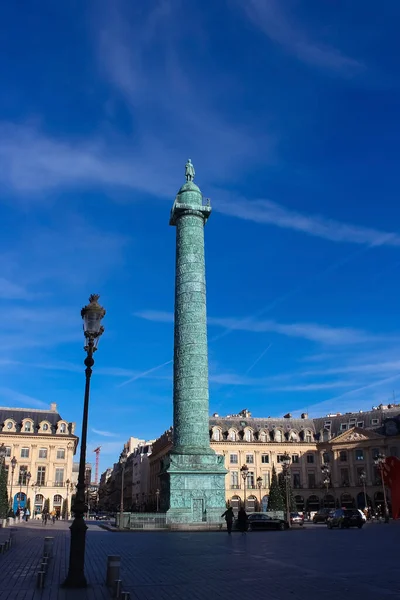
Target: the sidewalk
(20, 565)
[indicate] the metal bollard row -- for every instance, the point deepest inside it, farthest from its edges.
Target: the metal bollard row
(44, 562)
(4, 546)
(126, 596)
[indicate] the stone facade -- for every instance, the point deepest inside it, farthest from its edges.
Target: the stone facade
(311, 443)
(43, 445)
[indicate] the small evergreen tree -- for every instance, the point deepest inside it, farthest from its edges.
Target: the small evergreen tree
(3, 495)
(285, 494)
(64, 509)
(275, 500)
(46, 508)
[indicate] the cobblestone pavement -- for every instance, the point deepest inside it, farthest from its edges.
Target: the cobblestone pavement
(307, 564)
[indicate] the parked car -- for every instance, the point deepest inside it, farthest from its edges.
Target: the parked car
(258, 521)
(296, 519)
(322, 515)
(364, 518)
(345, 518)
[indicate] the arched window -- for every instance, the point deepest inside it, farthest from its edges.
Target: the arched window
(293, 436)
(57, 500)
(263, 436)
(28, 426)
(232, 435)
(235, 503)
(251, 504)
(63, 428)
(248, 435)
(216, 434)
(326, 435)
(308, 437)
(278, 435)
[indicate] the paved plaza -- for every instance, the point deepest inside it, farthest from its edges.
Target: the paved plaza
(307, 564)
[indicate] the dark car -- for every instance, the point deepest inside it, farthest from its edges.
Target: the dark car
(296, 519)
(322, 515)
(258, 521)
(345, 518)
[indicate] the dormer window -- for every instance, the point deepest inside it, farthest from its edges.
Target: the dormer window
(248, 435)
(63, 428)
(216, 435)
(232, 435)
(278, 435)
(27, 426)
(263, 436)
(45, 427)
(9, 425)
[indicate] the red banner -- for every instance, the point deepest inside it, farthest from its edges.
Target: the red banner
(391, 477)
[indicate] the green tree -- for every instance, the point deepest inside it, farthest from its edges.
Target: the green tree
(275, 500)
(3, 494)
(288, 493)
(64, 509)
(46, 507)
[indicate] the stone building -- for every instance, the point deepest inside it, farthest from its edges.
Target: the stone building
(43, 444)
(136, 479)
(346, 443)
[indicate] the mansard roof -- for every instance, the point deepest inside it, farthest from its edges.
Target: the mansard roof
(36, 415)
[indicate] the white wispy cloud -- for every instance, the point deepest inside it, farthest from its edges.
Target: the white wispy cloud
(314, 387)
(271, 213)
(10, 397)
(311, 331)
(12, 291)
(271, 17)
(103, 433)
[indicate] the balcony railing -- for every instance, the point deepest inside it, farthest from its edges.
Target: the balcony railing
(235, 486)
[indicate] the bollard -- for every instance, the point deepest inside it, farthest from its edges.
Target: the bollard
(2, 548)
(40, 580)
(48, 546)
(117, 588)
(126, 596)
(7, 545)
(43, 566)
(113, 569)
(9, 542)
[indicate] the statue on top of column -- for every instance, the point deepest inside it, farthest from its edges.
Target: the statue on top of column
(189, 171)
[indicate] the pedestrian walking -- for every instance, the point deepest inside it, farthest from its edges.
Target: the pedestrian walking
(242, 521)
(27, 514)
(229, 516)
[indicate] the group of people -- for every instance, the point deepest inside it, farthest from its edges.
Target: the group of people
(23, 513)
(241, 520)
(53, 516)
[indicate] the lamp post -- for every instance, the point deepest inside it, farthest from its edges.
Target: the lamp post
(92, 315)
(286, 463)
(326, 480)
(158, 499)
(122, 460)
(67, 484)
(259, 485)
(244, 469)
(363, 478)
(379, 461)
(13, 465)
(28, 478)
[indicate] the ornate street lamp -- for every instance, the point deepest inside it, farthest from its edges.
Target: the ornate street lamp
(244, 470)
(363, 478)
(13, 465)
(27, 481)
(259, 485)
(92, 315)
(326, 481)
(122, 459)
(285, 464)
(379, 461)
(67, 484)
(158, 499)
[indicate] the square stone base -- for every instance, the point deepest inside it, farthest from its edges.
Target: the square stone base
(194, 488)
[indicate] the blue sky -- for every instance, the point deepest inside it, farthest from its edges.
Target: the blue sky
(289, 112)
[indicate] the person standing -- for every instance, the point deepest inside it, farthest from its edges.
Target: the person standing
(229, 516)
(242, 521)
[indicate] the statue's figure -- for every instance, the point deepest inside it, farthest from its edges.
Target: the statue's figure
(189, 171)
